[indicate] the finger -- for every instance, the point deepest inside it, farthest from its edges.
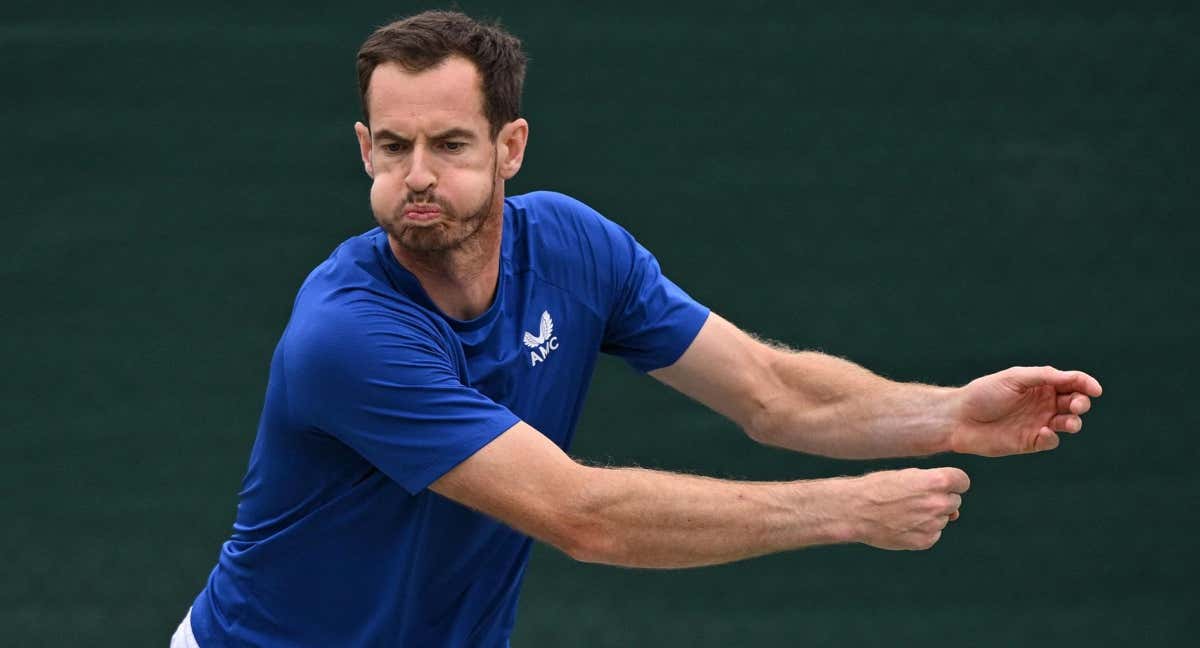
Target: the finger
(1075, 381)
(1073, 403)
(1063, 381)
(922, 540)
(954, 516)
(933, 540)
(955, 480)
(953, 502)
(934, 524)
(1066, 423)
(1045, 440)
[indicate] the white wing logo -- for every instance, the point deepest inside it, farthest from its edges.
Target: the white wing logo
(542, 344)
(545, 331)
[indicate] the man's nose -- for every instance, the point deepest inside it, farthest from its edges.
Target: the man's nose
(420, 176)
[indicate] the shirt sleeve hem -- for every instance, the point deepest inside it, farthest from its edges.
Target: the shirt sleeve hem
(421, 480)
(672, 354)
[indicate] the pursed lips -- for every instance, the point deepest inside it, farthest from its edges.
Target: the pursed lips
(422, 212)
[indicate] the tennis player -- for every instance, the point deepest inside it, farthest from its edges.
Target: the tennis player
(424, 393)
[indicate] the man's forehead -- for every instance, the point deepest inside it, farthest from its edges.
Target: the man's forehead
(448, 94)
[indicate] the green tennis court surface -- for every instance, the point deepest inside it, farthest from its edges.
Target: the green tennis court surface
(935, 195)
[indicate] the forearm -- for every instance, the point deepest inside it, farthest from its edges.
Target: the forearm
(820, 404)
(645, 518)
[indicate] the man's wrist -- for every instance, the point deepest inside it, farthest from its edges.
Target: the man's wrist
(950, 407)
(942, 406)
(838, 500)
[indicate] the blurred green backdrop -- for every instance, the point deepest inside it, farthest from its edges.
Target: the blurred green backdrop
(936, 194)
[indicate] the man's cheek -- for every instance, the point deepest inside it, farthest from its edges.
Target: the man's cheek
(383, 195)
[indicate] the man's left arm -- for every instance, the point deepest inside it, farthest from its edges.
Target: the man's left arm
(819, 404)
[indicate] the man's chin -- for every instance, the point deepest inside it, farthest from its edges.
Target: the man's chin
(425, 240)
(444, 234)
(436, 237)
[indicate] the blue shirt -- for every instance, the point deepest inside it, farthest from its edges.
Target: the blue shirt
(374, 394)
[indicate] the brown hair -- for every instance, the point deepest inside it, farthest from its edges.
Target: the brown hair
(423, 41)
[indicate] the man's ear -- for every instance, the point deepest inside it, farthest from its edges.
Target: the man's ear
(510, 147)
(364, 146)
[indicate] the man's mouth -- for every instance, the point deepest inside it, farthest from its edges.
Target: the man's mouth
(422, 212)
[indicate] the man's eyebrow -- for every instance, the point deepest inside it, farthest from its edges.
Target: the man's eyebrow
(383, 133)
(451, 133)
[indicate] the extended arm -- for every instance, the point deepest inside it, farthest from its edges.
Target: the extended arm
(821, 404)
(646, 518)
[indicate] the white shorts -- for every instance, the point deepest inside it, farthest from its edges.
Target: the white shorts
(183, 637)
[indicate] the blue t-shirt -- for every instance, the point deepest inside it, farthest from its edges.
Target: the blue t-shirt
(374, 394)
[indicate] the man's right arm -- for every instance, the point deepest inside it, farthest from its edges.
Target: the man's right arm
(646, 518)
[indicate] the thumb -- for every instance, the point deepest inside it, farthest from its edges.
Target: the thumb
(953, 480)
(1045, 440)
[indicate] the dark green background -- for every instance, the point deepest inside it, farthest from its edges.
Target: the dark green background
(936, 194)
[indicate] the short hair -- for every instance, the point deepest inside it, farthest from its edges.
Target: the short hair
(425, 40)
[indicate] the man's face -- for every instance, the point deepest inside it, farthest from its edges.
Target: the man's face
(429, 153)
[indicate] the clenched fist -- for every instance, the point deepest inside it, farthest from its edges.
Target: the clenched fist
(906, 509)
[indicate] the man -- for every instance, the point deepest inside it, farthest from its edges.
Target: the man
(427, 385)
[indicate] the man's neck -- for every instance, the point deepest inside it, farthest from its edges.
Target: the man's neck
(461, 282)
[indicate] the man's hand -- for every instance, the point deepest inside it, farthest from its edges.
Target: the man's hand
(906, 509)
(1020, 410)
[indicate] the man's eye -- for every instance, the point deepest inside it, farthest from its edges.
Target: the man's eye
(454, 146)
(393, 147)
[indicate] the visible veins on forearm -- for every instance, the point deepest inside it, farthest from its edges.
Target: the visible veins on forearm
(826, 405)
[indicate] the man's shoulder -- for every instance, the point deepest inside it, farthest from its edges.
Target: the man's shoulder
(353, 262)
(560, 227)
(545, 200)
(553, 211)
(342, 338)
(349, 298)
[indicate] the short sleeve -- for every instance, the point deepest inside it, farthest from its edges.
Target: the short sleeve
(651, 321)
(388, 390)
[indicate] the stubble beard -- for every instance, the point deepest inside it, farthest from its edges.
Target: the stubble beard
(450, 233)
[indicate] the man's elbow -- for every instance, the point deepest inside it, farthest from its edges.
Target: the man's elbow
(770, 404)
(784, 410)
(758, 434)
(791, 426)
(763, 415)
(591, 546)
(580, 530)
